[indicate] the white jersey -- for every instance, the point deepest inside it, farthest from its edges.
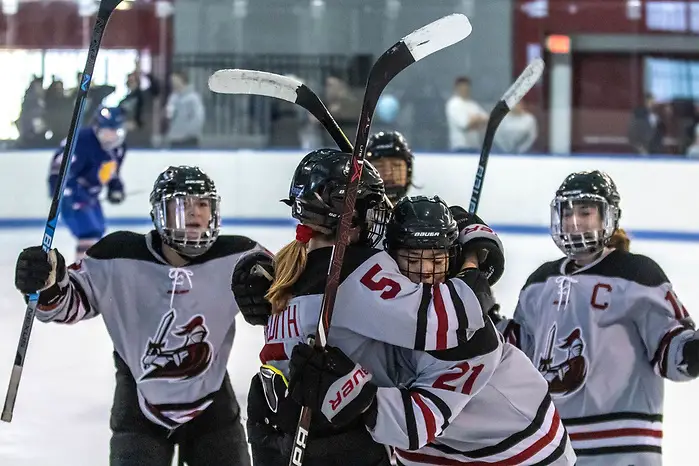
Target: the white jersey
(428, 377)
(172, 326)
(603, 336)
(510, 421)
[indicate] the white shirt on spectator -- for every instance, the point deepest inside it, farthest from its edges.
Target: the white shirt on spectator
(462, 135)
(516, 133)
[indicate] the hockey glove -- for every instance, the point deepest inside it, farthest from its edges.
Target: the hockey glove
(690, 354)
(251, 279)
(38, 271)
(329, 382)
(115, 191)
(475, 235)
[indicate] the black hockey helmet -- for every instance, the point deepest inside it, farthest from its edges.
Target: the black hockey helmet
(426, 229)
(574, 230)
(391, 145)
(318, 190)
(172, 190)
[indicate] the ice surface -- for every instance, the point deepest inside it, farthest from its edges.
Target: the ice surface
(62, 412)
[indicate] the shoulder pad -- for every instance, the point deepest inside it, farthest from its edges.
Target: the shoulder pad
(121, 245)
(546, 270)
(635, 268)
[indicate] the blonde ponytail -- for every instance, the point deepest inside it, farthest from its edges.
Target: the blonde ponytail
(289, 264)
(620, 240)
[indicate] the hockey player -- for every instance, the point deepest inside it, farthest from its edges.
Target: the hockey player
(422, 236)
(391, 156)
(97, 158)
(166, 302)
(603, 325)
(375, 306)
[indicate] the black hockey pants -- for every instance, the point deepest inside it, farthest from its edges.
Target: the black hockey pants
(272, 447)
(214, 438)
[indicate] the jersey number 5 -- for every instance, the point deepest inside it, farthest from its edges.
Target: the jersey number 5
(462, 370)
(369, 280)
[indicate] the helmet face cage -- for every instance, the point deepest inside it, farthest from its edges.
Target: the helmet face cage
(426, 265)
(376, 219)
(171, 223)
(395, 174)
(422, 238)
(582, 224)
(391, 155)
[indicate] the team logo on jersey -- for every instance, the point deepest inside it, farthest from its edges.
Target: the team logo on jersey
(568, 376)
(107, 171)
(183, 359)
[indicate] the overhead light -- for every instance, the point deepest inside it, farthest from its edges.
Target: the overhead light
(558, 44)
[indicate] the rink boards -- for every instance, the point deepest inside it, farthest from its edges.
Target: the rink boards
(658, 200)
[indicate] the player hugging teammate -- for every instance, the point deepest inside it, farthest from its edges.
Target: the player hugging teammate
(410, 334)
(166, 302)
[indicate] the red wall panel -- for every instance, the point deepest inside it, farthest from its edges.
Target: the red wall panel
(44, 25)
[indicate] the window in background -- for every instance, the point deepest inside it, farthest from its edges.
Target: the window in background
(111, 68)
(669, 79)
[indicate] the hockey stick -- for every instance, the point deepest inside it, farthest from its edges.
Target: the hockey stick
(252, 82)
(106, 8)
(292, 90)
(412, 48)
(512, 96)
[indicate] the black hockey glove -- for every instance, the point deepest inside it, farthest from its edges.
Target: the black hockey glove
(251, 279)
(475, 235)
(329, 382)
(115, 191)
(690, 354)
(38, 271)
(269, 397)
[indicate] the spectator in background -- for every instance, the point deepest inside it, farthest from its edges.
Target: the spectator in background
(59, 110)
(32, 124)
(185, 113)
(647, 128)
(138, 108)
(693, 150)
(466, 119)
(517, 132)
(343, 104)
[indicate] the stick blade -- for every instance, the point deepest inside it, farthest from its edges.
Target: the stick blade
(437, 35)
(252, 82)
(524, 83)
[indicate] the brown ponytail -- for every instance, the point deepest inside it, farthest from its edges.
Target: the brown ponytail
(289, 264)
(619, 240)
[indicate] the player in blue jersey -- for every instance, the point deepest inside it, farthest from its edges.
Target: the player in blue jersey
(99, 152)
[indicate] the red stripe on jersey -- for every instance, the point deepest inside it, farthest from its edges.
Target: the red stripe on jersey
(428, 416)
(518, 459)
(442, 318)
(537, 446)
(273, 352)
(660, 357)
(613, 433)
